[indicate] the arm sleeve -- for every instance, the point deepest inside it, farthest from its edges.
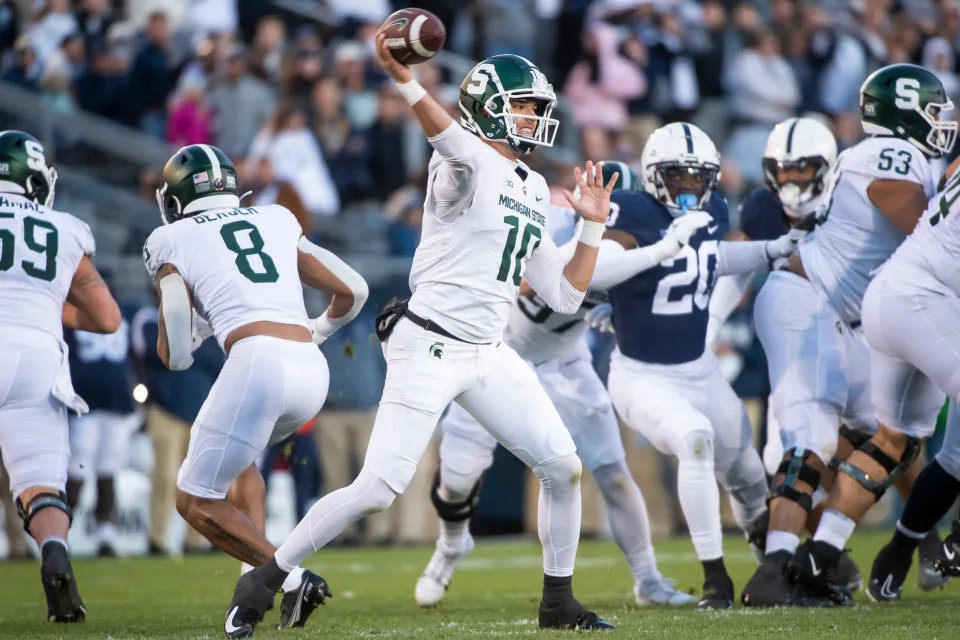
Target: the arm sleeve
(616, 264)
(726, 296)
(353, 280)
(545, 274)
(455, 177)
(738, 257)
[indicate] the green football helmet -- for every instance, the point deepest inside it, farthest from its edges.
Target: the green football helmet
(198, 177)
(485, 96)
(627, 179)
(908, 102)
(24, 169)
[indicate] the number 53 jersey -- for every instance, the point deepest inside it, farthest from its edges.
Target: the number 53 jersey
(661, 315)
(39, 252)
(240, 265)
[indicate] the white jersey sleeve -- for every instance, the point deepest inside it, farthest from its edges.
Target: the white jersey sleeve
(453, 171)
(158, 251)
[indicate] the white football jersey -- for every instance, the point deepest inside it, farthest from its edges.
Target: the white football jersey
(40, 250)
(240, 265)
(473, 252)
(853, 237)
(930, 257)
(537, 332)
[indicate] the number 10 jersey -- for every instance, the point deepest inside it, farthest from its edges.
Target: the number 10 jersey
(240, 265)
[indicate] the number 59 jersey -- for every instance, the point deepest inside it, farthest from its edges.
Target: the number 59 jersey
(39, 252)
(240, 265)
(661, 315)
(853, 237)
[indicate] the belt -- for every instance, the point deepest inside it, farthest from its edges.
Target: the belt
(430, 325)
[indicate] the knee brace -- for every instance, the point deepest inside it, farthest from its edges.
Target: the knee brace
(795, 468)
(854, 437)
(42, 501)
(893, 468)
(455, 511)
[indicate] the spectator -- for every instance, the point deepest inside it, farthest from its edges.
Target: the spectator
(94, 19)
(939, 57)
(153, 77)
(601, 82)
(763, 88)
(346, 149)
(266, 54)
(174, 399)
(350, 67)
(26, 69)
(190, 120)
(713, 115)
(258, 176)
(404, 212)
(9, 24)
(103, 88)
(242, 103)
(99, 440)
(303, 69)
(386, 143)
(53, 22)
(212, 16)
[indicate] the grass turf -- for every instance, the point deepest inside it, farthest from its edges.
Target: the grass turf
(494, 595)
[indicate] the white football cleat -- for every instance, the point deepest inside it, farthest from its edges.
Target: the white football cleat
(433, 584)
(661, 591)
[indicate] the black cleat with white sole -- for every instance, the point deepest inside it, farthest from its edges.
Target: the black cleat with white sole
(251, 599)
(59, 585)
(299, 603)
(948, 559)
(717, 592)
(571, 615)
(813, 568)
(929, 549)
(888, 574)
(769, 586)
(848, 574)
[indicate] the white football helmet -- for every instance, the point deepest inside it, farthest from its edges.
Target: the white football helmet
(807, 150)
(679, 159)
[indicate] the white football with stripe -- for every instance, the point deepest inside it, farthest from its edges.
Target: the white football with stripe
(414, 35)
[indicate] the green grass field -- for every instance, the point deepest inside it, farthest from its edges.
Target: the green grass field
(494, 595)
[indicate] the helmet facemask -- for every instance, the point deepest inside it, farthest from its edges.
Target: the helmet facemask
(796, 193)
(545, 129)
(672, 180)
(943, 133)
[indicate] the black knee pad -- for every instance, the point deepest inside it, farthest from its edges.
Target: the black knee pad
(893, 468)
(454, 511)
(794, 469)
(42, 501)
(856, 440)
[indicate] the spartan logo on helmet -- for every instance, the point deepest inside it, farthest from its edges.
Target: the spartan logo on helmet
(26, 172)
(197, 178)
(485, 96)
(908, 102)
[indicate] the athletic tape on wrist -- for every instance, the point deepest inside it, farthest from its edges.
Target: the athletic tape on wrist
(411, 91)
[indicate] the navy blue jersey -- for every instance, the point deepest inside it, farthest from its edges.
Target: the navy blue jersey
(100, 366)
(762, 216)
(661, 314)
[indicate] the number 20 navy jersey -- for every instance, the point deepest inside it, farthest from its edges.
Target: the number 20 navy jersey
(661, 315)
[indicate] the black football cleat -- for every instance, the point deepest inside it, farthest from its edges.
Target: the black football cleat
(59, 585)
(717, 592)
(251, 599)
(928, 576)
(813, 568)
(888, 574)
(299, 603)
(948, 559)
(769, 586)
(571, 615)
(848, 573)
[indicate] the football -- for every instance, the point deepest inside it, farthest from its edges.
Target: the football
(414, 35)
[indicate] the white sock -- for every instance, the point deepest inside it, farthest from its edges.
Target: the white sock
(629, 521)
(56, 539)
(700, 501)
(558, 514)
(332, 514)
(293, 579)
(106, 533)
(835, 529)
(782, 541)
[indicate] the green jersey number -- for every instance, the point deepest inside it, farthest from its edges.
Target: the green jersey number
(901, 167)
(41, 237)
(950, 193)
(262, 270)
(510, 258)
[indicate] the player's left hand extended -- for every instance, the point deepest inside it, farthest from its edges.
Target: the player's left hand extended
(600, 317)
(594, 201)
(786, 244)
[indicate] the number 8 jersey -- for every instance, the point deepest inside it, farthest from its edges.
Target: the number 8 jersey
(40, 250)
(240, 265)
(661, 314)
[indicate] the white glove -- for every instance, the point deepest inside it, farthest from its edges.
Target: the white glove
(682, 229)
(785, 245)
(319, 328)
(201, 330)
(600, 317)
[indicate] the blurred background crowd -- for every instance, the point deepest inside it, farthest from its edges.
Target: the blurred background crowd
(291, 91)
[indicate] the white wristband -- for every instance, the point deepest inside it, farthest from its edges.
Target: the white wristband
(411, 91)
(592, 233)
